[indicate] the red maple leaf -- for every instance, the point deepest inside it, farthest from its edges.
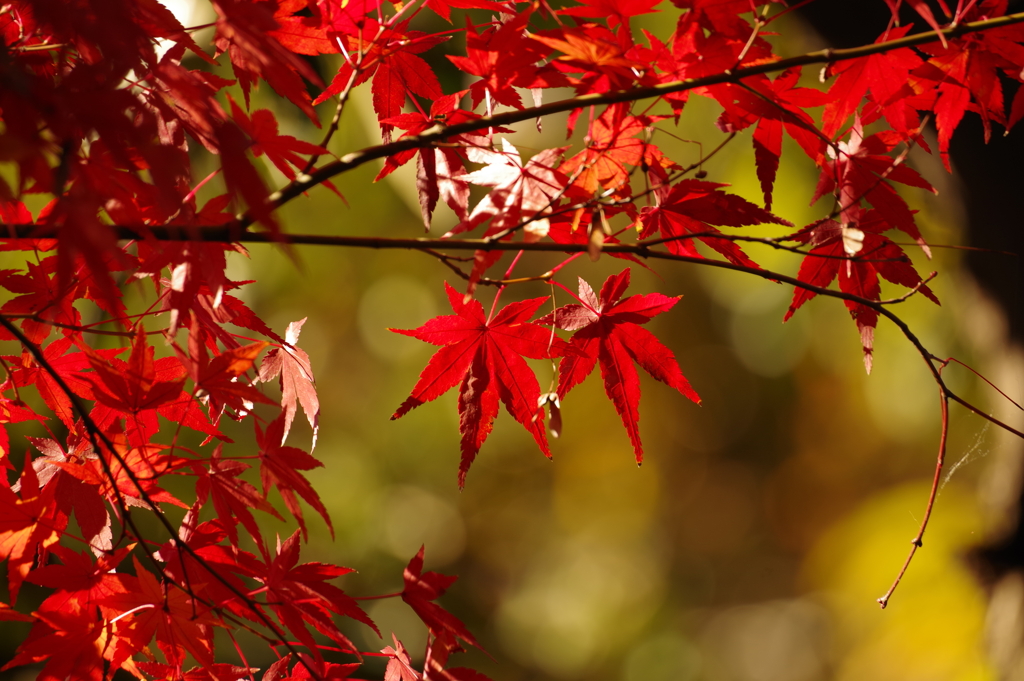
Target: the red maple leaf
(692, 207)
(245, 30)
(280, 466)
(42, 296)
(486, 355)
(612, 145)
(70, 493)
(400, 73)
(25, 371)
(213, 672)
(421, 589)
(967, 73)
(217, 380)
(301, 34)
(608, 331)
(885, 77)
(858, 266)
(520, 196)
(308, 668)
(440, 171)
(505, 59)
(232, 496)
(388, 54)
(150, 607)
(300, 594)
(774, 106)
(862, 171)
(128, 474)
(140, 389)
(211, 568)
(598, 56)
(241, 177)
(134, 387)
(399, 665)
(24, 526)
(74, 641)
(444, 7)
(282, 150)
(617, 12)
(80, 584)
(297, 387)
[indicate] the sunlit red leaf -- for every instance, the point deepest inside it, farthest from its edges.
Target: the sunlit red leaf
(607, 331)
(484, 355)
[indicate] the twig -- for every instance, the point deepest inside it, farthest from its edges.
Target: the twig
(990, 383)
(940, 460)
(921, 284)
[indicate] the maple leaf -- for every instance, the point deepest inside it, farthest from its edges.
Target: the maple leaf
(70, 493)
(505, 58)
(388, 54)
(309, 668)
(720, 16)
(692, 207)
(282, 150)
(440, 171)
(400, 73)
(611, 145)
(302, 34)
(72, 641)
(296, 377)
(607, 330)
(246, 31)
(151, 608)
(486, 355)
(132, 388)
(617, 12)
(213, 672)
(241, 177)
(967, 72)
(217, 380)
(518, 191)
(27, 372)
(24, 527)
(858, 272)
(41, 296)
(420, 592)
(885, 77)
(861, 170)
(774, 106)
(443, 8)
(597, 55)
(280, 466)
(519, 197)
(400, 665)
(140, 389)
(299, 593)
(210, 568)
(129, 474)
(81, 582)
(232, 497)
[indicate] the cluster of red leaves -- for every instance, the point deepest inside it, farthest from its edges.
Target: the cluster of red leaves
(105, 104)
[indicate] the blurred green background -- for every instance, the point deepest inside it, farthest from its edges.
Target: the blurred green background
(753, 542)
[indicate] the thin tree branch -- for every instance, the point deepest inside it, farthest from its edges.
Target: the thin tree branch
(940, 460)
